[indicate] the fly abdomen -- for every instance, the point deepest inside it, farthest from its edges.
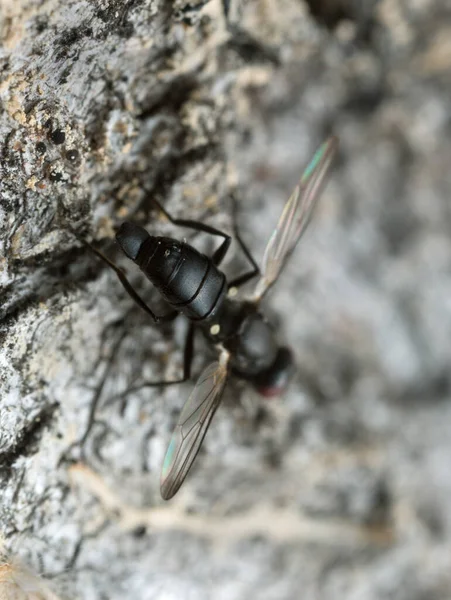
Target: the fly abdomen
(187, 279)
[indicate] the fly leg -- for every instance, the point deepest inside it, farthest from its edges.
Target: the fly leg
(188, 355)
(130, 289)
(197, 226)
(226, 10)
(222, 250)
(245, 277)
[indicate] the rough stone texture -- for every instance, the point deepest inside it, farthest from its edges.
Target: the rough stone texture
(342, 489)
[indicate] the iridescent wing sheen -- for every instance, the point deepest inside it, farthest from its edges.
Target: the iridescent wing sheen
(192, 426)
(295, 216)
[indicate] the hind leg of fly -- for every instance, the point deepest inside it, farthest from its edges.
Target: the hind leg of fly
(219, 254)
(188, 354)
(197, 226)
(130, 289)
(245, 277)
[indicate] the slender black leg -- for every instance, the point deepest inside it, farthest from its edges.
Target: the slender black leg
(130, 289)
(96, 400)
(226, 9)
(242, 279)
(220, 252)
(188, 354)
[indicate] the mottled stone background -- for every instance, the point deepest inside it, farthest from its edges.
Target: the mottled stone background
(342, 489)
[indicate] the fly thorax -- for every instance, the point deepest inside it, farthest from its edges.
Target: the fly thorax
(254, 347)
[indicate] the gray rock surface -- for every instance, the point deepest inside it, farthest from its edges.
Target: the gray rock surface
(340, 490)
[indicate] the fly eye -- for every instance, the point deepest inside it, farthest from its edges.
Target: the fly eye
(275, 379)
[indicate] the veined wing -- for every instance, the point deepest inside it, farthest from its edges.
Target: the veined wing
(192, 426)
(295, 216)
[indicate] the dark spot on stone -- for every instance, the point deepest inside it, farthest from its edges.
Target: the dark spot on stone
(331, 12)
(41, 148)
(169, 95)
(58, 136)
(382, 503)
(139, 531)
(366, 101)
(56, 176)
(400, 228)
(69, 36)
(250, 49)
(348, 373)
(432, 516)
(72, 155)
(67, 43)
(273, 458)
(116, 17)
(41, 23)
(31, 105)
(65, 74)
(48, 124)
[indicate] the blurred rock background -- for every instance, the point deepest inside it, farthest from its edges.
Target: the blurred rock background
(340, 490)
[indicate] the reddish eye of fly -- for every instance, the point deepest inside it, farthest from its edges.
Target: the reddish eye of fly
(274, 381)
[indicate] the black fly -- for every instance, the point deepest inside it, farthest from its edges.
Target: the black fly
(192, 284)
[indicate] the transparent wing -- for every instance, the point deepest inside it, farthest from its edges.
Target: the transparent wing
(192, 426)
(295, 216)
